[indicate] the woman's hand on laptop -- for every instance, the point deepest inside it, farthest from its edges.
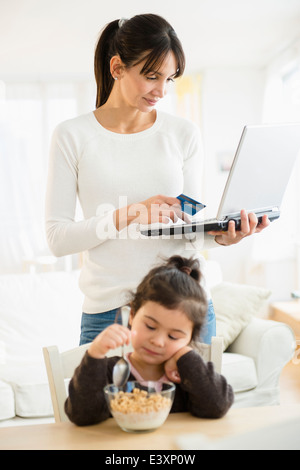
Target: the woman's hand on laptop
(156, 209)
(249, 226)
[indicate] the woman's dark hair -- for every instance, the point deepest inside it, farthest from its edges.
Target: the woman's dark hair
(175, 285)
(144, 37)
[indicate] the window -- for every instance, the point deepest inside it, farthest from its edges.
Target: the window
(282, 104)
(28, 115)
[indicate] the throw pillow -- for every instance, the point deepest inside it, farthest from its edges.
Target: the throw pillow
(235, 305)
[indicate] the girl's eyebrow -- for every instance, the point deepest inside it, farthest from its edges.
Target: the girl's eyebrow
(172, 329)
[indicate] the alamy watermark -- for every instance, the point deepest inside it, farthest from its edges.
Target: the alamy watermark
(136, 222)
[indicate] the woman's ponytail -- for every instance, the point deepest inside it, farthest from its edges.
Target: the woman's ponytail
(103, 53)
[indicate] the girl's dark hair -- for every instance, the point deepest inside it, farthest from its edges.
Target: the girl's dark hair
(175, 285)
(144, 37)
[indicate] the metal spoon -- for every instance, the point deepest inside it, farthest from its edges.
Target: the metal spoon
(121, 369)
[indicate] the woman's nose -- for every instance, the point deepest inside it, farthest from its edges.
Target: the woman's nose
(161, 89)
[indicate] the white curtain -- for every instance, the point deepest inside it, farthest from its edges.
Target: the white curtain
(28, 115)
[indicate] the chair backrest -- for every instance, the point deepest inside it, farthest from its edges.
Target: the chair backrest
(61, 366)
(211, 352)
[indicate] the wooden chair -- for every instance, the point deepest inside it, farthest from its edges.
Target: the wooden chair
(61, 366)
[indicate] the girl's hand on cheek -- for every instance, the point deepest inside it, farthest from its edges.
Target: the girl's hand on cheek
(170, 366)
(171, 370)
(111, 338)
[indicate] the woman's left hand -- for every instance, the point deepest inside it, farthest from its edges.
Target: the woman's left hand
(249, 225)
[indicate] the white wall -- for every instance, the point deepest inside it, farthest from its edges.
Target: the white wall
(233, 98)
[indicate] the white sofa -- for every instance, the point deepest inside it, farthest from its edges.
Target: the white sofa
(44, 309)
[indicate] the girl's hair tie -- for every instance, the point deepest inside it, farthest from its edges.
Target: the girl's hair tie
(186, 269)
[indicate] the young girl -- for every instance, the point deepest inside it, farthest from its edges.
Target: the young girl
(167, 313)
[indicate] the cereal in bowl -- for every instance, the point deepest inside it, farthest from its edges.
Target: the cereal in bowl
(138, 411)
(138, 401)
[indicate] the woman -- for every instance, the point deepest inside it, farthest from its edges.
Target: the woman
(117, 159)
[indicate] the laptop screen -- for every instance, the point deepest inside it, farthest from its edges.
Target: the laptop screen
(261, 168)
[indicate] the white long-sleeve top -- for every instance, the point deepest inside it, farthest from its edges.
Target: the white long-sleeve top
(106, 171)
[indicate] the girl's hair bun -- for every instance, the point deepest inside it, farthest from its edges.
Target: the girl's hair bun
(172, 284)
(189, 266)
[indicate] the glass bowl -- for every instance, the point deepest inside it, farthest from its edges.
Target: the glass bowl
(140, 408)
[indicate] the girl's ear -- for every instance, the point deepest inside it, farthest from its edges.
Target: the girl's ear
(131, 315)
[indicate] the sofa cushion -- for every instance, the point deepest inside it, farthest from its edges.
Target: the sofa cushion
(7, 402)
(30, 389)
(32, 399)
(239, 371)
(235, 305)
(36, 310)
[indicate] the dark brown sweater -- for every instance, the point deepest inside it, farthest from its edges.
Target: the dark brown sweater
(202, 391)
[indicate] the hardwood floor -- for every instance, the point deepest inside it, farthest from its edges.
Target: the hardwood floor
(290, 383)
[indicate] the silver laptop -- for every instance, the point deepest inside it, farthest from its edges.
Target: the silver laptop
(257, 180)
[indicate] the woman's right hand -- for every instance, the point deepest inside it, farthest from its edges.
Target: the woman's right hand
(111, 338)
(155, 209)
